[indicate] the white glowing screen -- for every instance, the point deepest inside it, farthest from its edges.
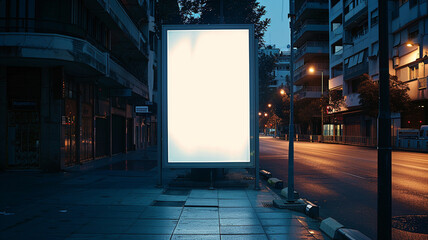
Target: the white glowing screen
(208, 92)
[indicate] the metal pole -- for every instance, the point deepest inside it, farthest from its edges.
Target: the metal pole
(221, 12)
(384, 131)
(290, 196)
(159, 113)
(256, 121)
(322, 106)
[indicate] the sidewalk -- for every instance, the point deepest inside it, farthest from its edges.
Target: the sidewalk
(119, 200)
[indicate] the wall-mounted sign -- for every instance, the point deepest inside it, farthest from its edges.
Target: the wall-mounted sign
(141, 109)
(208, 95)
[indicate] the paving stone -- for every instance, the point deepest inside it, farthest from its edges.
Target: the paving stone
(239, 221)
(245, 237)
(232, 194)
(210, 202)
(161, 212)
(257, 229)
(195, 237)
(199, 212)
(234, 203)
(198, 193)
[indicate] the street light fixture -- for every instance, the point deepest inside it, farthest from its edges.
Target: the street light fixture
(312, 70)
(266, 114)
(260, 113)
(282, 92)
(269, 105)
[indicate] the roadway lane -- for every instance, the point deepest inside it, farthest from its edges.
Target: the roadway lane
(342, 179)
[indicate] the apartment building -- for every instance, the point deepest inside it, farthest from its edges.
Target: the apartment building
(409, 32)
(353, 30)
(71, 74)
(311, 59)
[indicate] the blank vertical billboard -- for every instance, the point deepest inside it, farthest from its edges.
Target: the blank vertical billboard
(207, 86)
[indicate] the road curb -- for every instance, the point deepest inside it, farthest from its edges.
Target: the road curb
(337, 231)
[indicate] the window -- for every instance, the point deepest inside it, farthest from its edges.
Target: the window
(374, 17)
(375, 49)
(413, 72)
(397, 39)
(413, 32)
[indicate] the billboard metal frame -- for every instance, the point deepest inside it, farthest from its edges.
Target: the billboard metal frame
(162, 89)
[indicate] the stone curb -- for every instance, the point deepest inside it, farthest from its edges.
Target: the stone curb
(337, 231)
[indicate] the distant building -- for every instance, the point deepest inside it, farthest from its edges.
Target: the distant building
(270, 50)
(311, 59)
(354, 51)
(71, 74)
(282, 72)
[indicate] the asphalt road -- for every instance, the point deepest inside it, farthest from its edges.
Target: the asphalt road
(342, 180)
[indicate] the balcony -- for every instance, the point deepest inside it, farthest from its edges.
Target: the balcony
(336, 58)
(352, 100)
(336, 9)
(312, 48)
(336, 34)
(309, 92)
(310, 30)
(335, 82)
(112, 12)
(311, 7)
(407, 13)
(125, 79)
(73, 53)
(302, 74)
(357, 14)
(355, 71)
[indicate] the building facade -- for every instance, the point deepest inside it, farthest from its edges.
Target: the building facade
(311, 57)
(354, 48)
(71, 74)
(282, 71)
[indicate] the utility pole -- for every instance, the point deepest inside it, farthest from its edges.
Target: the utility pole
(290, 197)
(221, 12)
(322, 106)
(384, 130)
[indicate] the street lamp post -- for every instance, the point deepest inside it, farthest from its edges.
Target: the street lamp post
(290, 195)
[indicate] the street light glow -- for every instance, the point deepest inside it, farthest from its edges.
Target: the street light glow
(311, 70)
(282, 92)
(260, 113)
(409, 44)
(269, 105)
(266, 114)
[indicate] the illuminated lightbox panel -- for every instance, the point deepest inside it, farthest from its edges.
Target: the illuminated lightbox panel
(207, 84)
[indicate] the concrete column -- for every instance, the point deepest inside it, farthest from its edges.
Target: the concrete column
(78, 124)
(126, 126)
(3, 117)
(94, 122)
(110, 122)
(50, 116)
